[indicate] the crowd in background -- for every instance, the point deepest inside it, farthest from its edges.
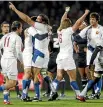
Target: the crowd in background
(53, 9)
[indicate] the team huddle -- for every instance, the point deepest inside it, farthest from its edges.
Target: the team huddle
(52, 49)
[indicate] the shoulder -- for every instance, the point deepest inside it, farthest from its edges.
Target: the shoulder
(31, 28)
(69, 30)
(85, 29)
(42, 27)
(88, 27)
(100, 26)
(37, 24)
(32, 31)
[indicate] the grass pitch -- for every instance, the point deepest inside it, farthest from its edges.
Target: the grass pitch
(67, 101)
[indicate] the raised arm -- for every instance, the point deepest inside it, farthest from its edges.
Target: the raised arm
(23, 16)
(67, 9)
(80, 20)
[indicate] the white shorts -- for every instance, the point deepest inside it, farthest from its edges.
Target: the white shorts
(98, 67)
(66, 64)
(9, 68)
(27, 60)
(89, 54)
(41, 62)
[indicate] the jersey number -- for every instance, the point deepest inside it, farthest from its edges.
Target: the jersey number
(6, 42)
(60, 37)
(56, 43)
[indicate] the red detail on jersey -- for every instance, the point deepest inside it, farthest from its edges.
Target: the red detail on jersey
(6, 42)
(33, 25)
(60, 37)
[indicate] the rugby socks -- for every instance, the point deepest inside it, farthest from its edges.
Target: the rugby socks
(54, 85)
(28, 85)
(93, 89)
(24, 88)
(84, 82)
(6, 95)
(62, 86)
(37, 89)
(2, 88)
(47, 80)
(98, 86)
(75, 87)
(17, 89)
(89, 85)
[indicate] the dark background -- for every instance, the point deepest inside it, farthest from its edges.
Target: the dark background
(53, 9)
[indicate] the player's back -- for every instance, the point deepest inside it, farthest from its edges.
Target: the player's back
(28, 41)
(9, 42)
(54, 43)
(65, 42)
(41, 39)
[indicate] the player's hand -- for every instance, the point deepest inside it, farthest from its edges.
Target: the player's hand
(85, 49)
(67, 9)
(87, 11)
(11, 6)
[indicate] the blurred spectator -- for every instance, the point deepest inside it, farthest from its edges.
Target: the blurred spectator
(54, 9)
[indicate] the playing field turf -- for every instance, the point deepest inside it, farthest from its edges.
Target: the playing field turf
(67, 101)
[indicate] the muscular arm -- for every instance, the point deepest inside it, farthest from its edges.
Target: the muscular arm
(80, 40)
(23, 16)
(79, 21)
(65, 13)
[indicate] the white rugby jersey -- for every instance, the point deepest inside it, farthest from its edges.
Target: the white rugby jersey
(65, 43)
(12, 46)
(40, 38)
(94, 35)
(28, 46)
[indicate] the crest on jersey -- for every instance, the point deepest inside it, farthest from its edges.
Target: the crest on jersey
(97, 32)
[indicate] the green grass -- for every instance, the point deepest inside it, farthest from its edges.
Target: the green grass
(68, 101)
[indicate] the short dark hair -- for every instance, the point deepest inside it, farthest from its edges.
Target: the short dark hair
(34, 18)
(45, 18)
(15, 25)
(4, 22)
(95, 15)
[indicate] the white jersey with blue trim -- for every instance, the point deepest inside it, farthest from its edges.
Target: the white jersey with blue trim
(94, 35)
(65, 43)
(40, 38)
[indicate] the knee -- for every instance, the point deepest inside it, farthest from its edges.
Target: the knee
(36, 79)
(72, 78)
(59, 77)
(27, 75)
(10, 84)
(13, 83)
